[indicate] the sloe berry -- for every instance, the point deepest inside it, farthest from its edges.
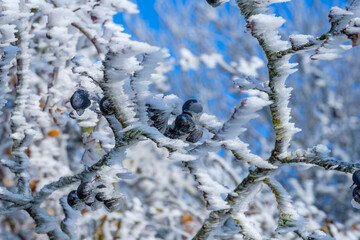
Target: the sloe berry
(195, 135)
(80, 101)
(114, 204)
(356, 194)
(84, 190)
(184, 124)
(101, 196)
(356, 177)
(74, 202)
(105, 107)
(192, 106)
(214, 3)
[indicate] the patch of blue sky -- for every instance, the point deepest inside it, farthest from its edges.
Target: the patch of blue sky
(147, 12)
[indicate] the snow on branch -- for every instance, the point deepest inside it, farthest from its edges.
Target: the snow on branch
(243, 153)
(249, 82)
(252, 7)
(236, 200)
(141, 80)
(48, 189)
(53, 32)
(210, 122)
(238, 213)
(247, 229)
(319, 156)
(68, 225)
(45, 223)
(289, 219)
(120, 63)
(22, 132)
(241, 115)
(212, 190)
(228, 134)
(12, 197)
(345, 25)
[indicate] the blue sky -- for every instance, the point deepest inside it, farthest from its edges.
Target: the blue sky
(148, 13)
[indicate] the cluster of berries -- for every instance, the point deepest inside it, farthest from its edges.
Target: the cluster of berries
(80, 100)
(95, 195)
(356, 191)
(187, 126)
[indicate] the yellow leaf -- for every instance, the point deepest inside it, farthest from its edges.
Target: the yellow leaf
(54, 133)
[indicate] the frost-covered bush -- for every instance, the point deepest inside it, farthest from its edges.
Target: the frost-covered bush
(95, 145)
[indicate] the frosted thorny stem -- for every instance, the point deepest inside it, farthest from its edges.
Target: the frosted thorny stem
(21, 133)
(68, 225)
(318, 156)
(289, 219)
(45, 223)
(86, 34)
(48, 189)
(217, 218)
(53, 80)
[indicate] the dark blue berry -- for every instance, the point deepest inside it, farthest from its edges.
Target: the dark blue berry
(84, 190)
(184, 124)
(192, 106)
(101, 186)
(74, 201)
(105, 107)
(356, 177)
(114, 204)
(195, 135)
(356, 194)
(214, 3)
(80, 101)
(101, 196)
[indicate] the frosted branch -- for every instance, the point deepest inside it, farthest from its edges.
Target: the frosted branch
(242, 153)
(88, 36)
(17, 199)
(45, 223)
(210, 188)
(48, 189)
(289, 219)
(345, 25)
(14, 208)
(228, 134)
(318, 156)
(264, 28)
(22, 133)
(92, 39)
(239, 209)
(236, 200)
(241, 115)
(68, 225)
